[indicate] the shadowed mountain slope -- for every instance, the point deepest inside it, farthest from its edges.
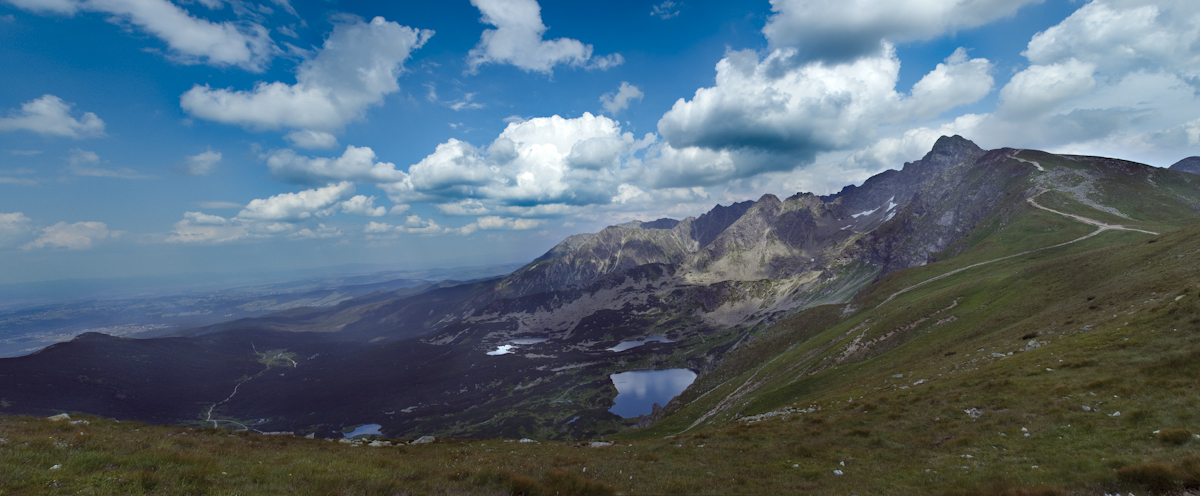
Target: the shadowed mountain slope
(1190, 164)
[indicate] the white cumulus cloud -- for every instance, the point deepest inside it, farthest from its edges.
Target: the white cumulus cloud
(77, 236)
(293, 207)
(320, 232)
(1124, 36)
(1041, 88)
(619, 100)
(414, 224)
(190, 231)
(546, 160)
(839, 30)
(768, 114)
(958, 81)
(1115, 78)
(355, 68)
(312, 139)
(517, 40)
(489, 223)
(50, 116)
(356, 164)
(496, 223)
(14, 227)
(201, 164)
(364, 206)
(189, 39)
(205, 219)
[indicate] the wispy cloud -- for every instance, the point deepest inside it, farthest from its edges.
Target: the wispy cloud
(666, 10)
(86, 163)
(201, 164)
(220, 204)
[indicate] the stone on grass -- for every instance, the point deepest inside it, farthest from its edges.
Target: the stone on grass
(424, 440)
(61, 416)
(526, 440)
(599, 444)
(974, 412)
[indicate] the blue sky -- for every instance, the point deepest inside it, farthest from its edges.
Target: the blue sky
(145, 137)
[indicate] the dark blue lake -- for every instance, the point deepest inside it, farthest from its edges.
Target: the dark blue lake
(639, 390)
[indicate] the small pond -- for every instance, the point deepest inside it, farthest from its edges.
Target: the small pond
(639, 390)
(364, 430)
(634, 343)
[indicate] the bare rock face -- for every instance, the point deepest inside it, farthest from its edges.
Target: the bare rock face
(1190, 164)
(707, 227)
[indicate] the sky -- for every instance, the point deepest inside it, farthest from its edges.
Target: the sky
(155, 138)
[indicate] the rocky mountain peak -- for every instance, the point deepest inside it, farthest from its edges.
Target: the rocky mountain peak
(949, 144)
(663, 223)
(769, 198)
(707, 227)
(946, 152)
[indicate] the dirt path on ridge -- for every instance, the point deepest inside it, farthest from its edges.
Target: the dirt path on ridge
(1032, 201)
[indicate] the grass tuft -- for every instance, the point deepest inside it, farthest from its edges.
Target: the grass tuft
(1156, 477)
(1175, 437)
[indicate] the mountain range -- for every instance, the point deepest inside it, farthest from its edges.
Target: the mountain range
(724, 292)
